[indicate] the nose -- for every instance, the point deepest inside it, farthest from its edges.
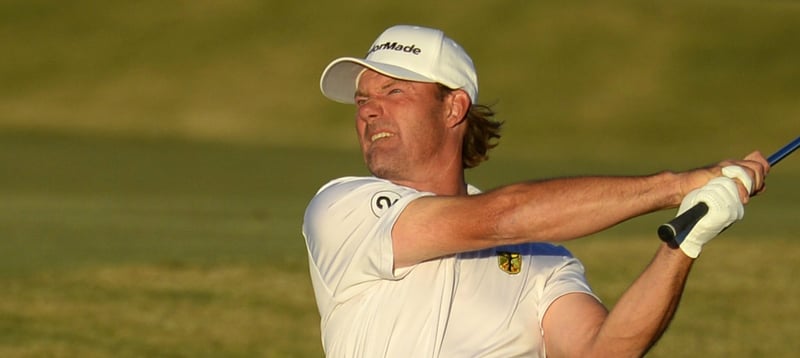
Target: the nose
(369, 110)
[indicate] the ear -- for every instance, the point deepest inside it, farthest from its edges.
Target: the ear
(458, 104)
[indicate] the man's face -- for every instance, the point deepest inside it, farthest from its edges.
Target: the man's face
(400, 124)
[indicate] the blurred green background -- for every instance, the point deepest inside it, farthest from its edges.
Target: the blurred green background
(156, 158)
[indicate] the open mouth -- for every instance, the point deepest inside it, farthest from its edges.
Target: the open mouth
(380, 135)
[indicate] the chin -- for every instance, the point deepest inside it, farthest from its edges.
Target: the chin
(387, 164)
(384, 171)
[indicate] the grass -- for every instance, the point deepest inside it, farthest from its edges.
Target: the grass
(145, 199)
(160, 310)
(153, 248)
(156, 158)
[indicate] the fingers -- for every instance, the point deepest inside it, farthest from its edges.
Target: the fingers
(758, 168)
(744, 181)
(752, 174)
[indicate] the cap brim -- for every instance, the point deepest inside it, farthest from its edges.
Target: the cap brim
(338, 81)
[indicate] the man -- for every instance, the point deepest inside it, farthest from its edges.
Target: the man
(414, 262)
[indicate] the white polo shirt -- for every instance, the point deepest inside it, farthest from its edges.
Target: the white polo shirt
(487, 303)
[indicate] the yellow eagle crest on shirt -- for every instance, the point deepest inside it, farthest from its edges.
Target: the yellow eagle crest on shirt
(509, 262)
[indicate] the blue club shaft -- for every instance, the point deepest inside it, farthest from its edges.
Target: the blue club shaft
(783, 152)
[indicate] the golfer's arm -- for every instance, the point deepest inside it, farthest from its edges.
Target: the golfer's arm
(552, 210)
(578, 326)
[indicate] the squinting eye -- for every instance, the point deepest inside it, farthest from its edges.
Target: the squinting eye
(396, 90)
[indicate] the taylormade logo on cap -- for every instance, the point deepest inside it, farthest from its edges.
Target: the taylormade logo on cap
(395, 47)
(404, 52)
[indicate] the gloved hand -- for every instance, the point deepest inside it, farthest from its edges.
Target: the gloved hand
(724, 208)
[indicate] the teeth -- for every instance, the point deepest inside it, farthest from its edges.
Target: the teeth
(380, 135)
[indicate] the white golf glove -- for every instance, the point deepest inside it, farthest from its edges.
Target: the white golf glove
(724, 208)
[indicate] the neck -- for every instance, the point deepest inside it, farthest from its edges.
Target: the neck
(438, 179)
(440, 187)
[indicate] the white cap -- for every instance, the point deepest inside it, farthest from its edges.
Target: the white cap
(404, 52)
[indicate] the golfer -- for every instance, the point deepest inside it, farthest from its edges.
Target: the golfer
(415, 262)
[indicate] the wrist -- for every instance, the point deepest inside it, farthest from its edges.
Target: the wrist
(674, 188)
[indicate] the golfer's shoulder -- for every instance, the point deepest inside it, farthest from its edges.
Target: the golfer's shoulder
(337, 202)
(359, 190)
(357, 185)
(350, 202)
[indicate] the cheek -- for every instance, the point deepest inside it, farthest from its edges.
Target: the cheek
(361, 128)
(432, 126)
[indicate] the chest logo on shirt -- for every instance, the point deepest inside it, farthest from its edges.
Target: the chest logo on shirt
(382, 201)
(509, 262)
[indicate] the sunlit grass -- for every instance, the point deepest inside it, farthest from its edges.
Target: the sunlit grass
(161, 310)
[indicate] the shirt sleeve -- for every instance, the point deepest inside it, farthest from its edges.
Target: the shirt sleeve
(566, 277)
(348, 231)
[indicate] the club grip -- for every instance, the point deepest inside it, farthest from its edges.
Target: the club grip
(677, 229)
(682, 224)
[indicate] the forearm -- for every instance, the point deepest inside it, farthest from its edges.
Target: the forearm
(645, 310)
(564, 209)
